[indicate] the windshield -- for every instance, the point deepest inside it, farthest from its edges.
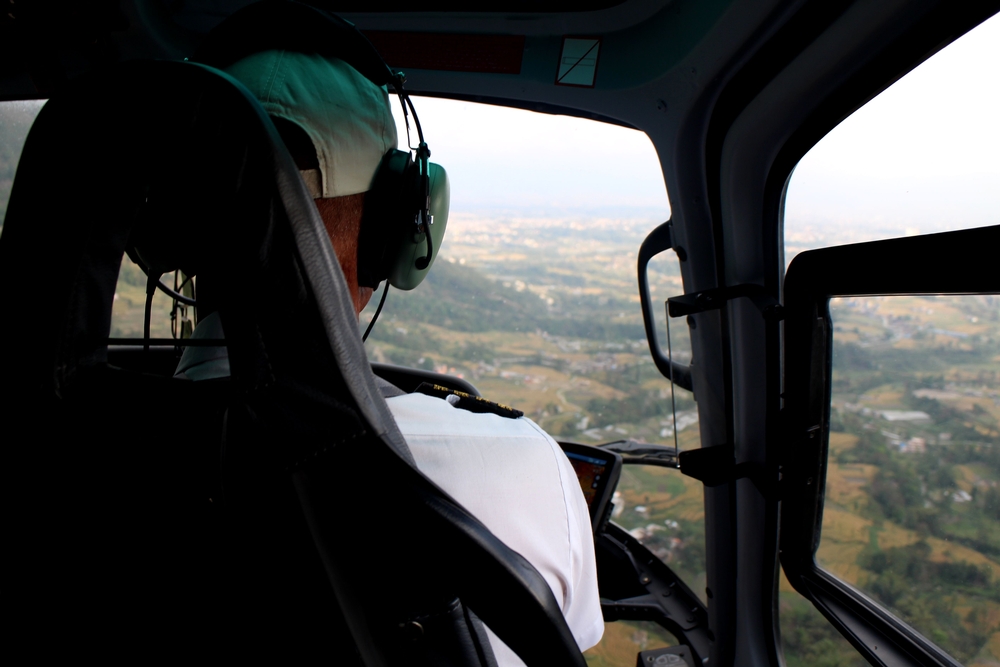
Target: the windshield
(534, 300)
(533, 296)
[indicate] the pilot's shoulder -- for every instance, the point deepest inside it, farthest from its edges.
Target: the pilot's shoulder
(436, 415)
(468, 402)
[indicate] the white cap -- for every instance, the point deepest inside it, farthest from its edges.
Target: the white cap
(346, 115)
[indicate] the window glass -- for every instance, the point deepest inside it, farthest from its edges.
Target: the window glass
(912, 513)
(15, 121)
(533, 296)
(622, 640)
(918, 158)
(665, 511)
(534, 300)
(807, 638)
(129, 306)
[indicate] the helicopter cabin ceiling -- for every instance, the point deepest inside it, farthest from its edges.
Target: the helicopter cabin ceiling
(507, 52)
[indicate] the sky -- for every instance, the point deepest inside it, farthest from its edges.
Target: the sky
(534, 164)
(922, 156)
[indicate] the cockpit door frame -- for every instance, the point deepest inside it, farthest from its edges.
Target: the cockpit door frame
(950, 263)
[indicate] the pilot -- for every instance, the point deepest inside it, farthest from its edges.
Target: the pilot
(504, 469)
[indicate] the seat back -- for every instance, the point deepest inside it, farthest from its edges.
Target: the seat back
(124, 539)
(275, 512)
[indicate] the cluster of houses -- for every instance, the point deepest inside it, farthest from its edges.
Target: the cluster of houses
(915, 445)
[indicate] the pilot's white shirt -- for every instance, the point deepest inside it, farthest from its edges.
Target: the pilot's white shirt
(515, 479)
(509, 473)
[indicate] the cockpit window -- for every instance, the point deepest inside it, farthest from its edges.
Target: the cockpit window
(921, 157)
(912, 475)
(534, 300)
(15, 121)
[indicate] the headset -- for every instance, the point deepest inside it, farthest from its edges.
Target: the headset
(406, 209)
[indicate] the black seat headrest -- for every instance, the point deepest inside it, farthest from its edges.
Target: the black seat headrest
(180, 159)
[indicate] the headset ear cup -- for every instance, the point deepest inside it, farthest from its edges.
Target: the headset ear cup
(403, 272)
(389, 245)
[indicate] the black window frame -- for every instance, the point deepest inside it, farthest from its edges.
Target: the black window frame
(949, 263)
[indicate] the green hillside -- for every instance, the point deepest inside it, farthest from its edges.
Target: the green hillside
(464, 299)
(566, 347)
